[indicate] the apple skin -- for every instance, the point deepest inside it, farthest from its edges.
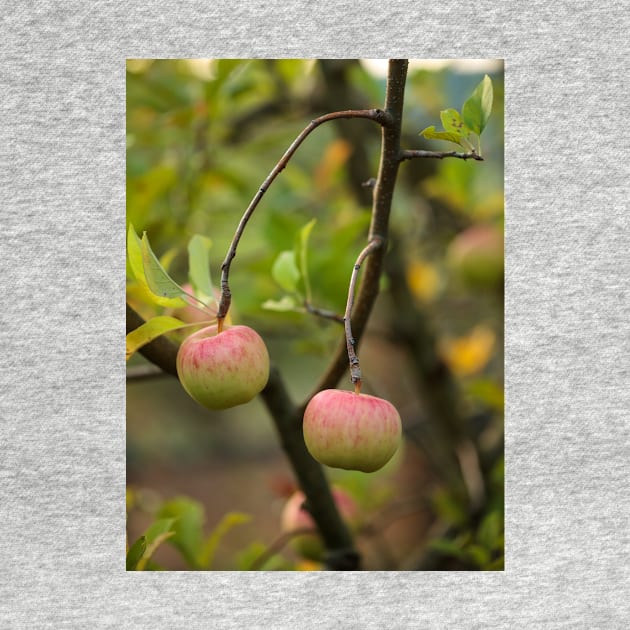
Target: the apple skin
(477, 256)
(223, 370)
(295, 517)
(352, 431)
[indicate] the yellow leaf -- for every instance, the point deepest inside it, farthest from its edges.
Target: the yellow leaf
(469, 354)
(423, 280)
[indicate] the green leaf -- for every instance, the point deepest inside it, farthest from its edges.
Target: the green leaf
(285, 271)
(199, 266)
(155, 535)
(135, 257)
(188, 537)
(301, 255)
(158, 281)
(150, 330)
(287, 303)
(490, 530)
(448, 548)
(228, 522)
(478, 555)
(478, 107)
(431, 134)
(135, 553)
(452, 122)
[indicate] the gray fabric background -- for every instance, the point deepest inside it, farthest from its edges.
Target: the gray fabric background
(62, 460)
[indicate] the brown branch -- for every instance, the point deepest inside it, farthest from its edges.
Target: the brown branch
(322, 312)
(377, 115)
(410, 154)
(381, 207)
(355, 369)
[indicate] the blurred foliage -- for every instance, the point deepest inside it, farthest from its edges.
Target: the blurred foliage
(202, 135)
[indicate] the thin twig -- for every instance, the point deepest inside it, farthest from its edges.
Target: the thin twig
(381, 207)
(355, 369)
(410, 154)
(377, 115)
(322, 312)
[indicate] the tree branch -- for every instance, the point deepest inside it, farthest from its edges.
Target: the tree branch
(409, 154)
(377, 115)
(381, 207)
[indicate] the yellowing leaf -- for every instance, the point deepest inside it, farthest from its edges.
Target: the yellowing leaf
(423, 280)
(149, 331)
(335, 156)
(470, 354)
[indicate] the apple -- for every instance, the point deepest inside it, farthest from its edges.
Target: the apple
(350, 430)
(221, 370)
(296, 517)
(477, 256)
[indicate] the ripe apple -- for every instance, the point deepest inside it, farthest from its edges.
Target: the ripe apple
(295, 516)
(477, 256)
(354, 431)
(221, 370)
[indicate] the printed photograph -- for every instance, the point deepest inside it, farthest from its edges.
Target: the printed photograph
(315, 321)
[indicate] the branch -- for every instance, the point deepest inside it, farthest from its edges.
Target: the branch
(322, 312)
(410, 154)
(355, 370)
(377, 115)
(381, 207)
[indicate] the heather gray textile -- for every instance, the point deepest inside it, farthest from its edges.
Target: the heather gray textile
(62, 174)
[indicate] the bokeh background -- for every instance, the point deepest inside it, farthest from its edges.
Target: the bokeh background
(202, 135)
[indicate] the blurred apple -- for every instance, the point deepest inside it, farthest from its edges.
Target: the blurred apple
(296, 517)
(476, 255)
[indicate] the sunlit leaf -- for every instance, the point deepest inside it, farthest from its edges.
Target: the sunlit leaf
(478, 107)
(135, 259)
(199, 266)
(150, 330)
(228, 522)
(431, 134)
(285, 271)
(160, 283)
(452, 122)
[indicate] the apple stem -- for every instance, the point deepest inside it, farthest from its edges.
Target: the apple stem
(220, 325)
(379, 116)
(355, 369)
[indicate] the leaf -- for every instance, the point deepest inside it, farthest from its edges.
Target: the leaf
(452, 122)
(188, 537)
(287, 303)
(149, 331)
(155, 535)
(199, 266)
(135, 553)
(478, 107)
(285, 271)
(489, 531)
(301, 255)
(160, 283)
(228, 522)
(135, 258)
(448, 548)
(431, 134)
